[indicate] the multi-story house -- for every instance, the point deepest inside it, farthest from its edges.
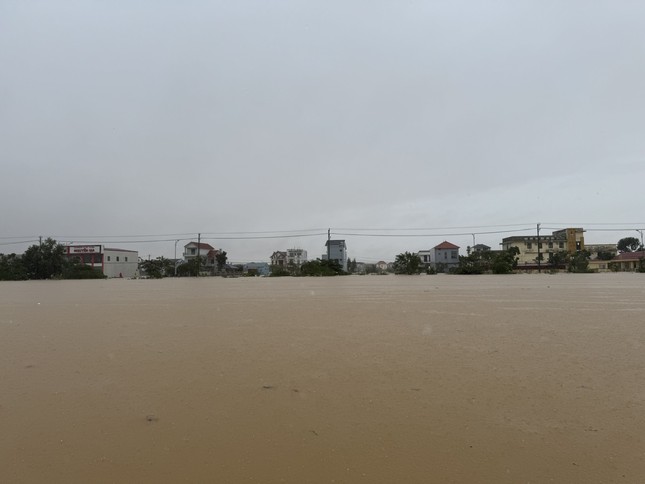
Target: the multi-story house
(569, 240)
(444, 256)
(206, 252)
(279, 259)
(296, 257)
(336, 251)
(441, 257)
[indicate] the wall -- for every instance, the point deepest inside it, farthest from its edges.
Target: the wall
(114, 268)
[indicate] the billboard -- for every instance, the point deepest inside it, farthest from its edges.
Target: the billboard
(83, 249)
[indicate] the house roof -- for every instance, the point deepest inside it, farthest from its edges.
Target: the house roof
(446, 245)
(200, 245)
(630, 255)
(334, 242)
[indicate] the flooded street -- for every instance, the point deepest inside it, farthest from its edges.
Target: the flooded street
(376, 379)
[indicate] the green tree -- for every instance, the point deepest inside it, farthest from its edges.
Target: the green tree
(579, 262)
(191, 267)
(605, 255)
(558, 260)
(278, 271)
(12, 268)
(629, 244)
(44, 261)
(321, 268)
(407, 263)
(505, 261)
(157, 268)
(221, 260)
(78, 270)
(470, 264)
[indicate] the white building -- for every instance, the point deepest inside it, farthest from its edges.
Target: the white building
(336, 251)
(441, 257)
(112, 262)
(296, 257)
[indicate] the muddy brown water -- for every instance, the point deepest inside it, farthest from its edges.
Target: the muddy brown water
(376, 379)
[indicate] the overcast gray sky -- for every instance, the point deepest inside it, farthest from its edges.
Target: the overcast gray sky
(129, 118)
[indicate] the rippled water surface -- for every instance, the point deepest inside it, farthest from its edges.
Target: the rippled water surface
(376, 379)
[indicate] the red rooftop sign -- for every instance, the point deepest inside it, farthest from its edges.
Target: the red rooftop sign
(84, 249)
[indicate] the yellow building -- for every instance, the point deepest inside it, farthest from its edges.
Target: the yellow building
(568, 240)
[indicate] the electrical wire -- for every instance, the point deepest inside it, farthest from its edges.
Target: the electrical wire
(433, 235)
(20, 242)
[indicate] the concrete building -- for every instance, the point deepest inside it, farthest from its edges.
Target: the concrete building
(426, 257)
(336, 251)
(569, 240)
(193, 249)
(206, 252)
(279, 259)
(296, 257)
(444, 256)
(112, 262)
(480, 248)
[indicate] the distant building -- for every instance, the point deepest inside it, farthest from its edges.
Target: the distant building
(206, 252)
(570, 240)
(336, 251)
(296, 257)
(480, 248)
(279, 259)
(381, 265)
(444, 256)
(629, 261)
(193, 249)
(111, 262)
(256, 269)
(441, 257)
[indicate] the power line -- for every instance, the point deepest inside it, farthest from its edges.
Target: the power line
(434, 235)
(266, 237)
(432, 228)
(19, 242)
(151, 241)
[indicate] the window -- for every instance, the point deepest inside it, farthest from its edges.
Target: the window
(529, 245)
(550, 245)
(109, 258)
(561, 245)
(453, 255)
(117, 258)
(192, 251)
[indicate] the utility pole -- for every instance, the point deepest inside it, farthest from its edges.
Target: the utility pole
(199, 243)
(175, 260)
(328, 245)
(539, 257)
(640, 231)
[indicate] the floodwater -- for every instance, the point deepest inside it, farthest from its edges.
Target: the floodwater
(376, 379)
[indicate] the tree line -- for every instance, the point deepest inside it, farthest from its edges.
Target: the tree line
(46, 260)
